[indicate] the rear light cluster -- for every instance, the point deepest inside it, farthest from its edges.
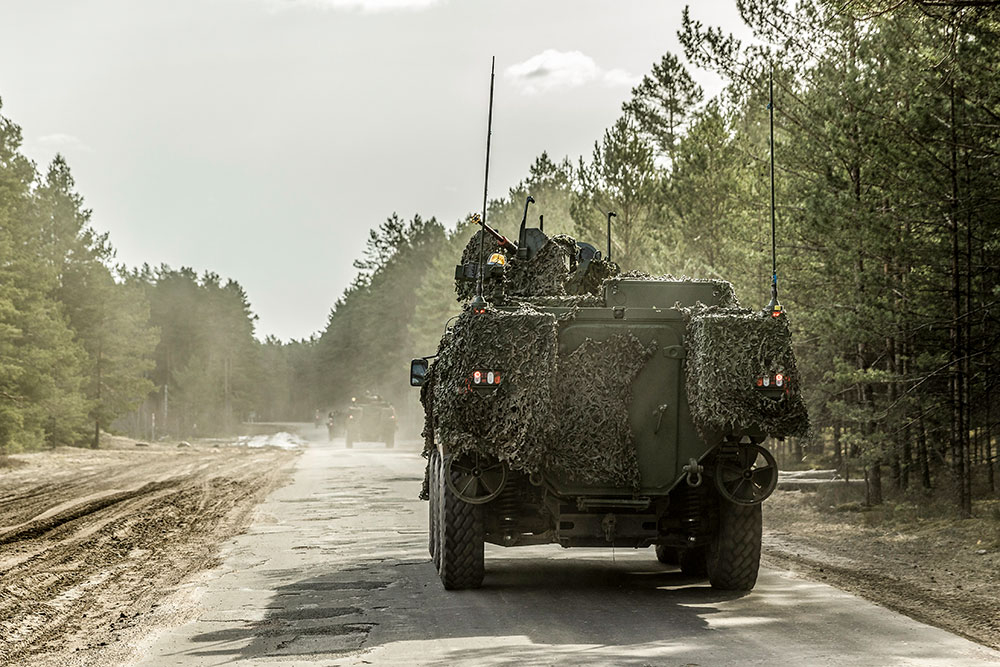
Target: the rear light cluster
(485, 378)
(773, 381)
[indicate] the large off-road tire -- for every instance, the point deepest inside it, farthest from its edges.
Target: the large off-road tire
(461, 541)
(434, 510)
(390, 440)
(734, 554)
(667, 555)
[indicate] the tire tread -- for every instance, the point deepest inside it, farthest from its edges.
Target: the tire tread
(734, 556)
(462, 540)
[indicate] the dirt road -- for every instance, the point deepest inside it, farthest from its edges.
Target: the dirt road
(91, 542)
(334, 571)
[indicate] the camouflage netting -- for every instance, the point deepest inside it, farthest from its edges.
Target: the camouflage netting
(727, 350)
(567, 414)
(492, 288)
(577, 430)
(551, 276)
(595, 444)
(544, 274)
(591, 279)
(507, 421)
(570, 301)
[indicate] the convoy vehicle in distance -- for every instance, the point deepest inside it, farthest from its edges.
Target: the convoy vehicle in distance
(370, 419)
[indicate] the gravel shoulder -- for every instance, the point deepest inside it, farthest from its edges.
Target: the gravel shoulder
(93, 543)
(939, 571)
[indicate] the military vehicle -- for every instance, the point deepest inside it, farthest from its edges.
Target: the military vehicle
(586, 407)
(370, 419)
(574, 404)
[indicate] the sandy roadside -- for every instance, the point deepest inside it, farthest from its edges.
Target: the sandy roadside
(93, 542)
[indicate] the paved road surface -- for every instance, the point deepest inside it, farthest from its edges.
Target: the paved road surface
(335, 571)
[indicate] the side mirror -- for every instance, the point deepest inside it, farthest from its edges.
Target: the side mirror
(418, 369)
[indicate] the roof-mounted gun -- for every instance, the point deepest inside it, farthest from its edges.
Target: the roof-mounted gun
(470, 272)
(502, 240)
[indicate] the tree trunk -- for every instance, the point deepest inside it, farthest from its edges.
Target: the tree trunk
(989, 442)
(838, 457)
(959, 429)
(922, 456)
(875, 483)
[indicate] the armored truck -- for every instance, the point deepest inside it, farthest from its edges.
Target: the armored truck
(574, 404)
(370, 419)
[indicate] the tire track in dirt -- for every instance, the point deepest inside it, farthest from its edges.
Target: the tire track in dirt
(39, 526)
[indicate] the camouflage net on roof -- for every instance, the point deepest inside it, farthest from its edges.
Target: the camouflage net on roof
(492, 288)
(546, 272)
(578, 431)
(568, 301)
(590, 280)
(727, 350)
(549, 276)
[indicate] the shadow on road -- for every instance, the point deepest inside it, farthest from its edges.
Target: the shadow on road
(548, 603)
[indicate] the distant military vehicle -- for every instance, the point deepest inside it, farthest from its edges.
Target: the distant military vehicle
(370, 419)
(586, 407)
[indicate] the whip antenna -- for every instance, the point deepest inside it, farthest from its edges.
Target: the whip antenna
(479, 301)
(774, 307)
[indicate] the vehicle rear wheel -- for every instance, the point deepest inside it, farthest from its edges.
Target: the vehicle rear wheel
(461, 539)
(734, 553)
(390, 440)
(349, 441)
(433, 467)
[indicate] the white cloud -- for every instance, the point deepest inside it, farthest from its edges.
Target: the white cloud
(363, 6)
(619, 77)
(62, 142)
(555, 70)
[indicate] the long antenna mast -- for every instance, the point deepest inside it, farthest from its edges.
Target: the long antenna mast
(479, 300)
(774, 307)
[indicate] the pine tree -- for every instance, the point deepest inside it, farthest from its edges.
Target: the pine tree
(623, 178)
(663, 103)
(40, 398)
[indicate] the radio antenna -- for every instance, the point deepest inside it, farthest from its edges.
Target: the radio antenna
(773, 307)
(479, 302)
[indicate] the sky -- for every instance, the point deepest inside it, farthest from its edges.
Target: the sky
(262, 139)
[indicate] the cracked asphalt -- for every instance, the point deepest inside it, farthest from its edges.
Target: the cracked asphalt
(334, 570)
